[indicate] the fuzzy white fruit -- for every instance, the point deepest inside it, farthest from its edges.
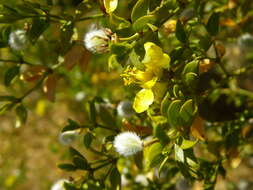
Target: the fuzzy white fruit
(128, 143)
(18, 40)
(68, 137)
(97, 41)
(125, 109)
(245, 41)
(59, 185)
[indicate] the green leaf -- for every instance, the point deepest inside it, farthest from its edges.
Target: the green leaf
(4, 36)
(73, 152)
(6, 107)
(38, 27)
(115, 178)
(205, 42)
(160, 133)
(165, 104)
(187, 111)
(176, 90)
(179, 153)
(69, 186)
(113, 62)
(135, 59)
(87, 139)
(153, 155)
(140, 9)
(187, 144)
(21, 113)
(143, 22)
(10, 75)
(81, 163)
(120, 49)
(176, 54)
(191, 79)
(153, 27)
(107, 117)
(213, 24)
(67, 167)
(110, 5)
(72, 125)
(119, 22)
(191, 67)
(173, 113)
(180, 32)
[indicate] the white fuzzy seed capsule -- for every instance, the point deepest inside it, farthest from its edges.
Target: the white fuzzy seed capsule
(59, 185)
(18, 40)
(97, 41)
(128, 143)
(125, 109)
(245, 41)
(67, 137)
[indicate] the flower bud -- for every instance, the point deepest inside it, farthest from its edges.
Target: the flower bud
(128, 143)
(125, 109)
(97, 41)
(170, 26)
(67, 137)
(18, 40)
(59, 185)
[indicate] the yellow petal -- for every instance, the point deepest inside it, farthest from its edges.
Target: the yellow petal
(154, 57)
(143, 100)
(149, 84)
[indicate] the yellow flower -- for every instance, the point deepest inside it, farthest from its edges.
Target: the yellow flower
(145, 78)
(154, 61)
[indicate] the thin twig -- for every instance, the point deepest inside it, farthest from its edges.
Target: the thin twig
(89, 17)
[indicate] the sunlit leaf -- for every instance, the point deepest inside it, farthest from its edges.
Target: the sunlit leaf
(143, 100)
(110, 5)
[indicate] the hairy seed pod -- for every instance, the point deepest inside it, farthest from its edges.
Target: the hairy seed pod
(128, 143)
(18, 40)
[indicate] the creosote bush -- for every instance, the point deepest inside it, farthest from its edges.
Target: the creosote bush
(164, 86)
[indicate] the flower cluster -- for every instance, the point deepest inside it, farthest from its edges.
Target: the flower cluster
(155, 61)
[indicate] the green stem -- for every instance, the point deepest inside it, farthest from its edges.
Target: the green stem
(89, 17)
(239, 91)
(98, 161)
(107, 128)
(133, 37)
(101, 166)
(97, 152)
(244, 92)
(15, 61)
